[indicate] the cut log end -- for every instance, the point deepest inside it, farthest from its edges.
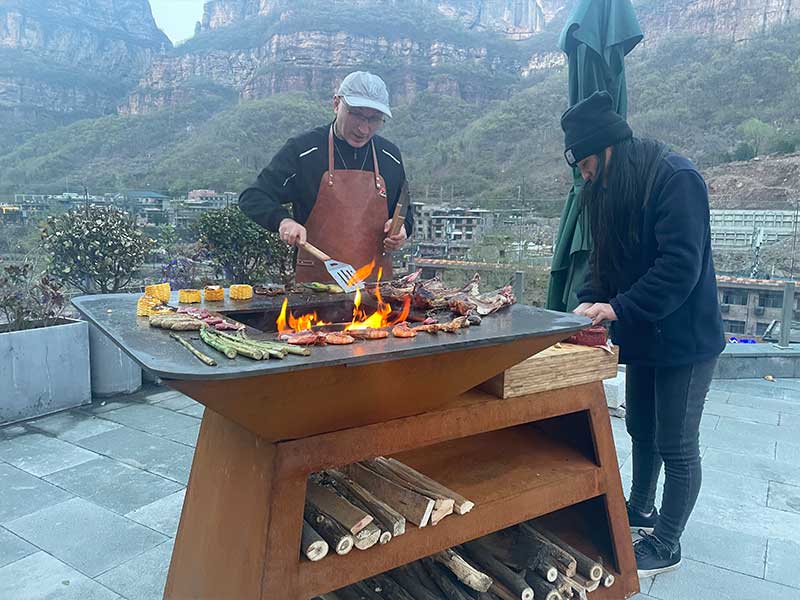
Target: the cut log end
(345, 545)
(385, 538)
(552, 574)
(596, 573)
(608, 580)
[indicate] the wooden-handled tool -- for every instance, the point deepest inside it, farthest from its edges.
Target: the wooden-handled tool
(400, 211)
(342, 273)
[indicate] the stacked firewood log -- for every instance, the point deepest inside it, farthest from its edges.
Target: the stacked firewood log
(369, 503)
(520, 563)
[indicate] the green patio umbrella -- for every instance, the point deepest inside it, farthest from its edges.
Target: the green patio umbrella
(597, 37)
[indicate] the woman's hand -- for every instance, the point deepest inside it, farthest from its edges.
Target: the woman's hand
(599, 313)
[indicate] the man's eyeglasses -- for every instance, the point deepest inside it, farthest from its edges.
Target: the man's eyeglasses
(375, 121)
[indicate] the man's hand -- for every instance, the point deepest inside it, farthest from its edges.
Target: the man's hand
(600, 312)
(582, 308)
(292, 232)
(394, 242)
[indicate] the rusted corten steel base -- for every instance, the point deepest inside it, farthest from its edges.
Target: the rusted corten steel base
(239, 535)
(269, 424)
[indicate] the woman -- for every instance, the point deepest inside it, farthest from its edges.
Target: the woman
(652, 277)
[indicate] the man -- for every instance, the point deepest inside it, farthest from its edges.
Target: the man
(343, 182)
(652, 277)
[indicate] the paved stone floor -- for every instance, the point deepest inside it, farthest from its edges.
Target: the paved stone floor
(90, 498)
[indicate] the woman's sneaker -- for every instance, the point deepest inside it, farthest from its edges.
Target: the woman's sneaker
(640, 521)
(653, 557)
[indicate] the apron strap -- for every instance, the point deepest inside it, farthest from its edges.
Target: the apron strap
(330, 157)
(377, 170)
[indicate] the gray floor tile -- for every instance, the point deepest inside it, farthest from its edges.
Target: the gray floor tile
(790, 420)
(85, 535)
(737, 514)
(757, 431)
(156, 394)
(155, 454)
(22, 493)
(13, 548)
(709, 422)
(162, 515)
(764, 469)
(99, 407)
(784, 497)
(196, 410)
(41, 455)
(73, 425)
(151, 419)
(764, 403)
(173, 400)
(737, 443)
(696, 580)
(9, 432)
(42, 577)
(722, 484)
(783, 562)
(787, 452)
(141, 578)
(764, 389)
(742, 413)
(720, 547)
(717, 396)
(187, 436)
(112, 484)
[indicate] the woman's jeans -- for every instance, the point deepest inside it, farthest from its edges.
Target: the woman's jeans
(663, 406)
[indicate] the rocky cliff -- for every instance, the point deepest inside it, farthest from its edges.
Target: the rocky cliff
(737, 20)
(72, 58)
(519, 18)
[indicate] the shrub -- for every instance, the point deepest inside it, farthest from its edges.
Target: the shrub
(97, 248)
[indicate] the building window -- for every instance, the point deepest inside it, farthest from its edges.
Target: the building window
(734, 296)
(770, 299)
(761, 328)
(733, 326)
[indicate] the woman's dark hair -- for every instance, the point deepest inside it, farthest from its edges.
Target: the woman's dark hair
(612, 209)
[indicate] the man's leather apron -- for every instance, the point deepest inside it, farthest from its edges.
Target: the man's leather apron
(347, 221)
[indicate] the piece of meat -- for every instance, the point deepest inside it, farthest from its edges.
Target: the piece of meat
(451, 327)
(338, 339)
(403, 330)
(432, 294)
(306, 338)
(368, 334)
(483, 304)
(270, 289)
(212, 320)
(228, 326)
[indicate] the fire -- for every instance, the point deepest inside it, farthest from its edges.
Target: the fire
(289, 323)
(380, 318)
(362, 274)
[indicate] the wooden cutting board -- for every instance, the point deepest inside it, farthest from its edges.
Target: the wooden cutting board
(559, 366)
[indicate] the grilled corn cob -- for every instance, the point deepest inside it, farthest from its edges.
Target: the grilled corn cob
(161, 291)
(146, 305)
(241, 292)
(188, 296)
(214, 293)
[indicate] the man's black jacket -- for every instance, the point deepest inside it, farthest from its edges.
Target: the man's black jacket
(294, 174)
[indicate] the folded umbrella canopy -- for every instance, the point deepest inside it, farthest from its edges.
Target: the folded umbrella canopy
(597, 37)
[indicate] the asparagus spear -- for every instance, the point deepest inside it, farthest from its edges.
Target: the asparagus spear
(217, 343)
(203, 357)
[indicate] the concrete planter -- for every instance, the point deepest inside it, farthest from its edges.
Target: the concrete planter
(113, 372)
(44, 370)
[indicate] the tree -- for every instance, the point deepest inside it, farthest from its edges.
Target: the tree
(242, 250)
(97, 248)
(757, 134)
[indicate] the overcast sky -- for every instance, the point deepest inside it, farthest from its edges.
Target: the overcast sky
(176, 18)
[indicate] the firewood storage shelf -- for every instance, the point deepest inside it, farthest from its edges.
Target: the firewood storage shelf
(513, 473)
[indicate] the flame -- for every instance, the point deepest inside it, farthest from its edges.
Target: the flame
(380, 318)
(296, 324)
(362, 273)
